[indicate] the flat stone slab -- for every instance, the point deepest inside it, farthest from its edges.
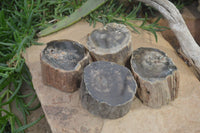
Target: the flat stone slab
(65, 114)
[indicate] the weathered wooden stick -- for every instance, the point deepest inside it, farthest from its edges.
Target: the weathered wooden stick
(156, 75)
(189, 47)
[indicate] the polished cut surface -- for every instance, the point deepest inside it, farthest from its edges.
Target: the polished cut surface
(63, 54)
(152, 63)
(109, 37)
(109, 82)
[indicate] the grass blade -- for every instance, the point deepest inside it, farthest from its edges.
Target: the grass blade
(2, 128)
(5, 111)
(28, 125)
(11, 98)
(6, 44)
(84, 10)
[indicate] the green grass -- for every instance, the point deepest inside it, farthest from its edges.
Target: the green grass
(20, 21)
(111, 11)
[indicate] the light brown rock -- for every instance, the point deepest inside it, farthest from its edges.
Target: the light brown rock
(65, 114)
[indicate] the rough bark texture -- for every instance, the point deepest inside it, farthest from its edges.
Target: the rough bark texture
(156, 75)
(55, 70)
(107, 89)
(110, 43)
(190, 48)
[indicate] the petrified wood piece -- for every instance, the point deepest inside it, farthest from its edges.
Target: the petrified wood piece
(110, 43)
(157, 76)
(107, 89)
(62, 64)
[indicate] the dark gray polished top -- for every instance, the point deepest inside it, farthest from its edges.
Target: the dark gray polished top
(63, 54)
(107, 38)
(152, 63)
(109, 83)
(110, 36)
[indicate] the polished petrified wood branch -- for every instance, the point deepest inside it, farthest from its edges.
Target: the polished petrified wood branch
(157, 76)
(107, 89)
(62, 64)
(110, 43)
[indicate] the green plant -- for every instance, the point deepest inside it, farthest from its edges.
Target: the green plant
(181, 3)
(112, 11)
(84, 10)
(20, 20)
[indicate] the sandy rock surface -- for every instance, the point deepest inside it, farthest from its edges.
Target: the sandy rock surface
(65, 114)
